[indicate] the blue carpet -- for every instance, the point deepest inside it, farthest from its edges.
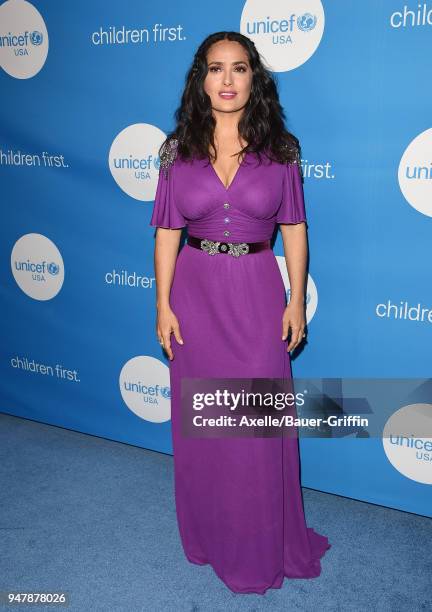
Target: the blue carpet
(96, 518)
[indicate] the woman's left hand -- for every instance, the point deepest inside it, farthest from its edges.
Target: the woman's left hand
(294, 319)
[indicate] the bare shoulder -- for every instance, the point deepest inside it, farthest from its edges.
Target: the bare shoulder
(168, 154)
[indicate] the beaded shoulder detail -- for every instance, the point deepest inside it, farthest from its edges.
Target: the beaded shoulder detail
(168, 155)
(295, 154)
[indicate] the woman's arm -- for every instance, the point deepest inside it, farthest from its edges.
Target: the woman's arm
(165, 255)
(294, 238)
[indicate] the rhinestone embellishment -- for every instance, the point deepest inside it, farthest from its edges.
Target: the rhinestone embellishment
(226, 205)
(242, 248)
(212, 247)
(295, 155)
(168, 155)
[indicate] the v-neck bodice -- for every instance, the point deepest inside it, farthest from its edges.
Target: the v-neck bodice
(259, 196)
(240, 165)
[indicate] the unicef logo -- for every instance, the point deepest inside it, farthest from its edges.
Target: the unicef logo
(306, 22)
(53, 269)
(407, 441)
(36, 38)
(166, 392)
(415, 173)
(311, 290)
(134, 160)
(286, 34)
(24, 39)
(145, 388)
(34, 269)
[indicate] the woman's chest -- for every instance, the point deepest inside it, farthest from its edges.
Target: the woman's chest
(255, 190)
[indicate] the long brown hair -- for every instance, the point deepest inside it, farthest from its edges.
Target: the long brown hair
(262, 124)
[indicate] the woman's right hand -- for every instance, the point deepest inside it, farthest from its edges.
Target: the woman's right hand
(167, 323)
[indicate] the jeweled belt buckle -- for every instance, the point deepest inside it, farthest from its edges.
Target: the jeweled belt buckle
(213, 247)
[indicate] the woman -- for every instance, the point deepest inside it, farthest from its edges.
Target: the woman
(230, 172)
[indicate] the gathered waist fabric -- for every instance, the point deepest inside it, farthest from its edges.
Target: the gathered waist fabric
(232, 227)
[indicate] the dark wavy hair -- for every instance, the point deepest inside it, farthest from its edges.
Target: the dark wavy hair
(262, 124)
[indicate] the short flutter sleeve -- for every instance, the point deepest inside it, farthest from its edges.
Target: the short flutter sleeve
(165, 212)
(292, 206)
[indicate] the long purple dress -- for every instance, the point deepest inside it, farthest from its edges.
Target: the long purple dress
(238, 500)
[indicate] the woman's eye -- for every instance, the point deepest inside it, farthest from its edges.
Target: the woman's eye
(240, 68)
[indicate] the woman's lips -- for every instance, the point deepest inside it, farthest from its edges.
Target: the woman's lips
(227, 95)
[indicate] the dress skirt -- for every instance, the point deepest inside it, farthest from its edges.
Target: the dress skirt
(238, 500)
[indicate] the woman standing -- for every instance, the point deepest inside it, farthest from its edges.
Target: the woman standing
(230, 172)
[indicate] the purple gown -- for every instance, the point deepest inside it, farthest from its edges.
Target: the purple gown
(238, 500)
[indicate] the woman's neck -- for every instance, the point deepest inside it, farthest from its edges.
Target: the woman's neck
(226, 131)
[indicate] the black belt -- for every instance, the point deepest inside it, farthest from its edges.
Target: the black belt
(228, 248)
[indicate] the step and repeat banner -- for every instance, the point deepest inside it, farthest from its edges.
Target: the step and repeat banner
(88, 93)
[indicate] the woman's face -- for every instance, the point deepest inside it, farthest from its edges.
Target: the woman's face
(229, 72)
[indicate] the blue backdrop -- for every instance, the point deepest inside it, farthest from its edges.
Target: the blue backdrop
(89, 90)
